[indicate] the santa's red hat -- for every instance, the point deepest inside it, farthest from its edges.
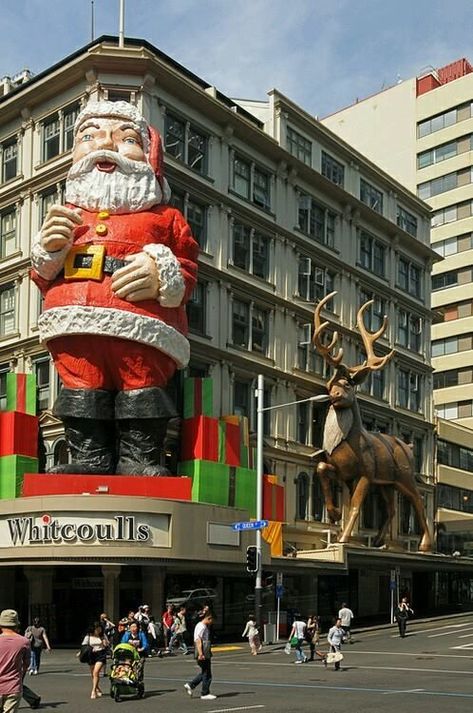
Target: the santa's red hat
(151, 138)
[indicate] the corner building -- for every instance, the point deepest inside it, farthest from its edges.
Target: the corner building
(284, 212)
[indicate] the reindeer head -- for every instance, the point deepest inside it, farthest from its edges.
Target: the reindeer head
(342, 385)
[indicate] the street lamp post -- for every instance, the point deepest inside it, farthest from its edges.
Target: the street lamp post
(260, 409)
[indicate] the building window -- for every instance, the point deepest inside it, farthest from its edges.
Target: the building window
(302, 496)
(305, 350)
(314, 283)
(60, 453)
(299, 146)
(304, 413)
(250, 327)
(441, 121)
(196, 309)
(409, 277)
(375, 313)
(241, 398)
(251, 182)
(455, 410)
(371, 196)
(120, 95)
(442, 184)
(373, 514)
(453, 246)
(437, 154)
(316, 221)
(50, 197)
(451, 213)
(457, 310)
(187, 143)
(4, 369)
(409, 330)
(374, 384)
(408, 390)
(408, 523)
(58, 132)
(455, 456)
(372, 254)
(43, 384)
(9, 160)
(453, 377)
(7, 232)
(452, 345)
(194, 212)
(406, 221)
(250, 250)
(333, 169)
(7, 309)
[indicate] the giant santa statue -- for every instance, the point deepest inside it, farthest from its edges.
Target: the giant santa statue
(116, 266)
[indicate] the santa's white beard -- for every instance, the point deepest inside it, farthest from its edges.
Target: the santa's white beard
(131, 187)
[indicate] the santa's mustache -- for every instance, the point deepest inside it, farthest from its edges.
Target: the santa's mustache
(125, 165)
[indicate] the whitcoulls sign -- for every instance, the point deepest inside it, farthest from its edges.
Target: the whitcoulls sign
(152, 530)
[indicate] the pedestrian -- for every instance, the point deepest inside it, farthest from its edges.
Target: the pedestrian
(401, 614)
(335, 639)
(15, 656)
(168, 622)
(203, 655)
(179, 632)
(346, 615)
(107, 626)
(298, 632)
(142, 617)
(153, 636)
(120, 629)
(137, 638)
(312, 634)
(36, 634)
(99, 643)
(253, 635)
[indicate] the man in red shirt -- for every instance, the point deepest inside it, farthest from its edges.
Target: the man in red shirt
(15, 653)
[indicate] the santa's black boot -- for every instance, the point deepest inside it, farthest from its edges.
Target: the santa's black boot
(142, 418)
(89, 430)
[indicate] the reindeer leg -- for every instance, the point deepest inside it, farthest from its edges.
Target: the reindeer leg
(388, 497)
(415, 498)
(359, 494)
(323, 470)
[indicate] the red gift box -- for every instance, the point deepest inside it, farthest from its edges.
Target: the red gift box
(199, 438)
(273, 500)
(168, 488)
(18, 434)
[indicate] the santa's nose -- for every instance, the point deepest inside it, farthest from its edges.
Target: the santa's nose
(105, 140)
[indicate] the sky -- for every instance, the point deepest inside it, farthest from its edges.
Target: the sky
(322, 54)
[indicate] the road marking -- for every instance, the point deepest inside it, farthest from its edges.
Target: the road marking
(241, 708)
(463, 646)
(440, 628)
(411, 690)
(446, 633)
(465, 636)
(338, 687)
(226, 648)
(369, 668)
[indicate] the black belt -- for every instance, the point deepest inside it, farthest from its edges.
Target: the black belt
(110, 264)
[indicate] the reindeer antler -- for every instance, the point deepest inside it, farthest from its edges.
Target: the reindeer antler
(319, 328)
(373, 362)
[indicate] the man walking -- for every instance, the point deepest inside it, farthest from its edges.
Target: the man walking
(346, 616)
(203, 655)
(298, 632)
(15, 654)
(335, 639)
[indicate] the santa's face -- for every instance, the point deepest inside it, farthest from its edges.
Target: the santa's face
(112, 134)
(110, 170)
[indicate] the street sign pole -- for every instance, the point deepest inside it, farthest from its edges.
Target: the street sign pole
(279, 592)
(259, 494)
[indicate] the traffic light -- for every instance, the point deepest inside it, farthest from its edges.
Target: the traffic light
(251, 559)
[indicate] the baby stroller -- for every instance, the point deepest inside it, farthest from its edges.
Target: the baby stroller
(126, 674)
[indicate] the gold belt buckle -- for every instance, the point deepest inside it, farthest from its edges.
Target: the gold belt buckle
(94, 254)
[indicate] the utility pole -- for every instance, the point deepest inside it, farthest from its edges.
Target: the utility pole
(121, 25)
(259, 495)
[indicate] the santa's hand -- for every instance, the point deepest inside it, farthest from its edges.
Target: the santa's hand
(137, 281)
(57, 229)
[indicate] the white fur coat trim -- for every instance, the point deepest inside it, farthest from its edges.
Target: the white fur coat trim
(109, 322)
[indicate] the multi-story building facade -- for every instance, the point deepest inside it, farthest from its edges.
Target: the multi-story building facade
(284, 212)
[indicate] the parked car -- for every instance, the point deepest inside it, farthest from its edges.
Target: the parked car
(193, 598)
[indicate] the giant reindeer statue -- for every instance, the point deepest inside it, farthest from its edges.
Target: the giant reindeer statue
(353, 455)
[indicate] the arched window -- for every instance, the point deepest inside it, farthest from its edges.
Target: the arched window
(302, 496)
(60, 453)
(318, 501)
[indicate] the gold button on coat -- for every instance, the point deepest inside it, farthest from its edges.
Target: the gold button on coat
(101, 229)
(103, 215)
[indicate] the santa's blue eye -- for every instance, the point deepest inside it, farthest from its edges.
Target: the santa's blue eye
(86, 137)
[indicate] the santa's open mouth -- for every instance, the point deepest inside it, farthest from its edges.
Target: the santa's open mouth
(106, 166)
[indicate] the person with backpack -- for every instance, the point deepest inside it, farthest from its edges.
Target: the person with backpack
(36, 634)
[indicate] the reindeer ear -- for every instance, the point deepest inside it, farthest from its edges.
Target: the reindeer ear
(360, 375)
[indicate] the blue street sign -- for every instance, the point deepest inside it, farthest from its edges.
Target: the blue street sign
(392, 585)
(255, 525)
(279, 591)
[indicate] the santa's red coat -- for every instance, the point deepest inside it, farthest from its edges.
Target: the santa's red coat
(90, 307)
